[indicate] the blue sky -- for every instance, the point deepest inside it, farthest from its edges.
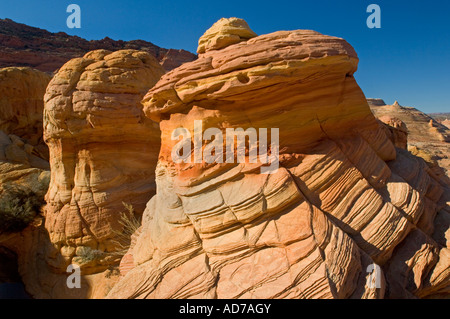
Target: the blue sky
(408, 59)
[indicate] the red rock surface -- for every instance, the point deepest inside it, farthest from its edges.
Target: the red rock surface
(22, 45)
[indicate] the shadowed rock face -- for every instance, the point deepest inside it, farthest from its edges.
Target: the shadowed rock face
(344, 197)
(23, 154)
(396, 130)
(103, 152)
(22, 103)
(24, 173)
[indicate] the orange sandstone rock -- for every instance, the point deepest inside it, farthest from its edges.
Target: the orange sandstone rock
(224, 33)
(396, 130)
(22, 92)
(103, 152)
(343, 202)
(23, 155)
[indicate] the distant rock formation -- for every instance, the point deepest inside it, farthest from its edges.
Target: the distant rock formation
(22, 45)
(421, 127)
(397, 132)
(443, 118)
(426, 137)
(446, 123)
(344, 201)
(376, 102)
(103, 152)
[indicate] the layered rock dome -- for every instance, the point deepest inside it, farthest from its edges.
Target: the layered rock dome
(344, 201)
(103, 153)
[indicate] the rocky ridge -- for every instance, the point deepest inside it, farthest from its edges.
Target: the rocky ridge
(427, 137)
(22, 45)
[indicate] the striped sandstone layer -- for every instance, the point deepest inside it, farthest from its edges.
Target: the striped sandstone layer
(344, 200)
(103, 151)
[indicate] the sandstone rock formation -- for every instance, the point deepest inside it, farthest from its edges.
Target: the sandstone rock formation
(224, 33)
(22, 173)
(443, 118)
(22, 103)
(446, 123)
(397, 131)
(376, 102)
(421, 127)
(41, 281)
(19, 164)
(23, 154)
(22, 45)
(24, 166)
(103, 152)
(343, 202)
(426, 137)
